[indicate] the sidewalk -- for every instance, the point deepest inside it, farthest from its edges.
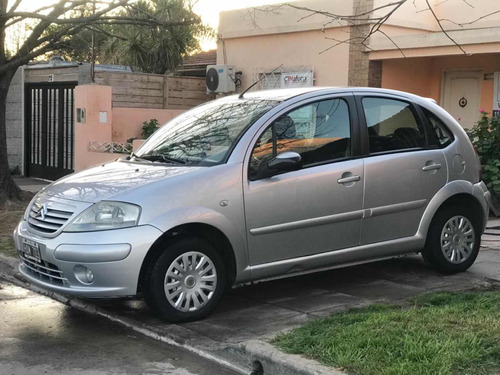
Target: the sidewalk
(33, 185)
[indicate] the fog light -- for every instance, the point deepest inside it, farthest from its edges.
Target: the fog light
(84, 274)
(90, 276)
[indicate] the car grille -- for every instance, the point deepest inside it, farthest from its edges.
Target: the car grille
(47, 220)
(44, 271)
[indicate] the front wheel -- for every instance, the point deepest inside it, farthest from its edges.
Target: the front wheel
(186, 282)
(453, 240)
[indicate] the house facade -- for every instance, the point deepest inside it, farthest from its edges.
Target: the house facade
(411, 53)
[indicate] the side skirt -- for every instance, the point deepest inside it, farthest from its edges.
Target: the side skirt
(334, 259)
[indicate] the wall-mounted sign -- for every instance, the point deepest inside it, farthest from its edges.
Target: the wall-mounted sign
(103, 117)
(80, 115)
(296, 79)
(51, 78)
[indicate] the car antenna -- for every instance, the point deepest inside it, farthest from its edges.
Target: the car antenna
(253, 84)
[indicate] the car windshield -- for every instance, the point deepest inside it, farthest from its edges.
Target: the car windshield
(204, 135)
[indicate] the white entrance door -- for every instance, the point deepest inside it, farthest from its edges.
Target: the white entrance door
(462, 96)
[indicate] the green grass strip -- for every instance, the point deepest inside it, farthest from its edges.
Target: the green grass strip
(438, 333)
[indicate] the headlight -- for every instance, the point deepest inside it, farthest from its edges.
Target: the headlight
(106, 215)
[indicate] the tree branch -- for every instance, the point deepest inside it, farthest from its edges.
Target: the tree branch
(33, 40)
(14, 6)
(104, 32)
(64, 21)
(480, 18)
(393, 42)
(442, 28)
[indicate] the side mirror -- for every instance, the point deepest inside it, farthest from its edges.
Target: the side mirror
(287, 161)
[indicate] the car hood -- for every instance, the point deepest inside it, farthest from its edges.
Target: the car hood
(106, 181)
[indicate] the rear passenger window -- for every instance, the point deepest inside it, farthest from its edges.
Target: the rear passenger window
(392, 125)
(439, 135)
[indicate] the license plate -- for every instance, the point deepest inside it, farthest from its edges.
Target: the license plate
(31, 250)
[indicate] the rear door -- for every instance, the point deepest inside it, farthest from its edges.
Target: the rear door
(402, 172)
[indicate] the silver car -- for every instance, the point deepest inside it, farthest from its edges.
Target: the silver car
(264, 185)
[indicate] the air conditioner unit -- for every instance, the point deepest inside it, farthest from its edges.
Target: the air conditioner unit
(220, 79)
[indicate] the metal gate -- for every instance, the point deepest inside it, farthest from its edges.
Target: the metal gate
(49, 129)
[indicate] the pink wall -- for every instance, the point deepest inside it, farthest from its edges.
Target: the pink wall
(94, 99)
(423, 75)
(120, 124)
(127, 122)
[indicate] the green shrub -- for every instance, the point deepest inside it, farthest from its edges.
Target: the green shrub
(485, 136)
(149, 127)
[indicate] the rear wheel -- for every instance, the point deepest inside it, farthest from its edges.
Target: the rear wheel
(453, 240)
(186, 282)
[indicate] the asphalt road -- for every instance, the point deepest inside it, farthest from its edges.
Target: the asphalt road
(41, 336)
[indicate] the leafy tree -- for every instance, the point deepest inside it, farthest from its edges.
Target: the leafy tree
(149, 49)
(52, 27)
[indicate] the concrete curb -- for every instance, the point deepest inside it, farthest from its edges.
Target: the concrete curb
(266, 359)
(253, 357)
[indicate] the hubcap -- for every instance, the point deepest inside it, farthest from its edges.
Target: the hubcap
(457, 239)
(190, 281)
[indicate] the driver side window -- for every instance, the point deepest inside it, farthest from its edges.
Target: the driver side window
(318, 131)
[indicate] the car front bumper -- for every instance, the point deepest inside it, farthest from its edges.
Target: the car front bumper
(114, 258)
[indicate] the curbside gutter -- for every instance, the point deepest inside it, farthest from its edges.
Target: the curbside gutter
(252, 357)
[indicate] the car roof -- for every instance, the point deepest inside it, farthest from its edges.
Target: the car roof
(286, 94)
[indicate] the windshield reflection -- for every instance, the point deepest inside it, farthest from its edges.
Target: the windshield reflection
(204, 135)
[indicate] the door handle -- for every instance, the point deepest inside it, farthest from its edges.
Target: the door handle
(431, 167)
(346, 180)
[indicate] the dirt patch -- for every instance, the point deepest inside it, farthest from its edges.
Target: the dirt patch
(10, 215)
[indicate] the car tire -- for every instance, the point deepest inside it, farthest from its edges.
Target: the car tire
(453, 239)
(186, 282)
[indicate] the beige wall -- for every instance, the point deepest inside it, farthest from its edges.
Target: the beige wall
(423, 75)
(414, 29)
(278, 19)
(262, 53)
(415, 14)
(257, 40)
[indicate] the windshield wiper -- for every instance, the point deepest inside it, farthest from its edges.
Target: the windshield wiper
(162, 158)
(135, 157)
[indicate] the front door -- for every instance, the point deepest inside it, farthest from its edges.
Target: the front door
(318, 207)
(462, 96)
